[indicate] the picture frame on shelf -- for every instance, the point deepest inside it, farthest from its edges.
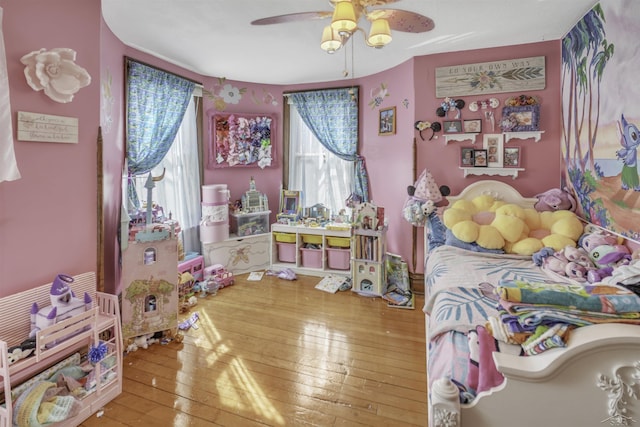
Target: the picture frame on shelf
(472, 126)
(521, 118)
(452, 126)
(466, 157)
(480, 158)
(494, 144)
(387, 122)
(512, 157)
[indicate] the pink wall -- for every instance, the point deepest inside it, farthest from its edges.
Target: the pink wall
(48, 217)
(541, 160)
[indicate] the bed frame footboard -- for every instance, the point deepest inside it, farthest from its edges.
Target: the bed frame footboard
(595, 381)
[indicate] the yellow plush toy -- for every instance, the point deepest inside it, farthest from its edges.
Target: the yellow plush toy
(493, 224)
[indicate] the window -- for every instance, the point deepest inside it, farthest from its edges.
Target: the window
(321, 176)
(321, 148)
(178, 193)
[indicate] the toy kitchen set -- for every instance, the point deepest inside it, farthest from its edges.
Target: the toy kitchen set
(239, 240)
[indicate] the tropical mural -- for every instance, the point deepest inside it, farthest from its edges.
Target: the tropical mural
(601, 115)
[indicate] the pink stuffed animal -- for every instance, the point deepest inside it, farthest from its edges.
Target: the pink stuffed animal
(554, 200)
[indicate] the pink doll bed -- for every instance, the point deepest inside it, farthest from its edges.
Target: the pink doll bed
(477, 381)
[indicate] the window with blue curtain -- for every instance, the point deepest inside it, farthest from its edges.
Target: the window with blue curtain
(156, 103)
(331, 116)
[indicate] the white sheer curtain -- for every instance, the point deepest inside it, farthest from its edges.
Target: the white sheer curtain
(321, 176)
(179, 191)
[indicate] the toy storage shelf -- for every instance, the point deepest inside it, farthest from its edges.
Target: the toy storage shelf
(332, 255)
(512, 172)
(368, 254)
(100, 323)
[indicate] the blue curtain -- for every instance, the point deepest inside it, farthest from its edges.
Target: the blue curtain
(332, 116)
(156, 103)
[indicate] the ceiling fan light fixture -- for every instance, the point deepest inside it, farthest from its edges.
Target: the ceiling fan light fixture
(380, 33)
(331, 41)
(344, 17)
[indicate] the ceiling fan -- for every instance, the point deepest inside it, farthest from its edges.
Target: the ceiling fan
(345, 17)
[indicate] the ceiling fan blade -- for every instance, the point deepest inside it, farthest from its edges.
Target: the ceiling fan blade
(402, 20)
(292, 17)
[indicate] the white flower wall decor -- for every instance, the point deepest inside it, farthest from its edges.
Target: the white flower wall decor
(55, 72)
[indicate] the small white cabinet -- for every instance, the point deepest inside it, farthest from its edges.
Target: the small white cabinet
(239, 254)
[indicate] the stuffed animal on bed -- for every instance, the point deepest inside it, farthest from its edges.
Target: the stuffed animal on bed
(555, 199)
(424, 190)
(495, 225)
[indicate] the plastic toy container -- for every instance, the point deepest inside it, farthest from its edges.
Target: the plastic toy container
(284, 237)
(314, 239)
(338, 242)
(286, 252)
(338, 259)
(250, 223)
(311, 258)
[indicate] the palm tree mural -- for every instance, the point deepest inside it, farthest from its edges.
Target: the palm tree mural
(586, 52)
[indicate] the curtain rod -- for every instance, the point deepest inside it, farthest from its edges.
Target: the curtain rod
(128, 58)
(317, 90)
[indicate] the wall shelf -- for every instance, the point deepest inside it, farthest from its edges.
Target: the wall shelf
(460, 137)
(512, 172)
(536, 135)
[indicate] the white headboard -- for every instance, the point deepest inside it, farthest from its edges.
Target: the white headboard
(497, 189)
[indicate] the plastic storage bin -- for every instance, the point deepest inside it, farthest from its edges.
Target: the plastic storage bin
(286, 252)
(250, 223)
(285, 237)
(338, 242)
(311, 258)
(314, 239)
(338, 259)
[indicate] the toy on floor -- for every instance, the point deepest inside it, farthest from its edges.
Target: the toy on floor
(220, 276)
(64, 305)
(286, 274)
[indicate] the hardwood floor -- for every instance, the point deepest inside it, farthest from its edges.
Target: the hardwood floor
(281, 353)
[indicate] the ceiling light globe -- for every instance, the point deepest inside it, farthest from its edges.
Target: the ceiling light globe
(380, 33)
(330, 40)
(344, 17)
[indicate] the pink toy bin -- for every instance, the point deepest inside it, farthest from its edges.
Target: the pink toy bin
(286, 252)
(311, 258)
(338, 259)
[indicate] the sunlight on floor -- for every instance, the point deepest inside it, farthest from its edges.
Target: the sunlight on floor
(237, 390)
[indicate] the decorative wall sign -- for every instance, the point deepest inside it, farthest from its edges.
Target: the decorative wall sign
(510, 75)
(239, 139)
(47, 128)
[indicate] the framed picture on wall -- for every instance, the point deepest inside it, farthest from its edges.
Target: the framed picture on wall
(466, 157)
(480, 158)
(493, 143)
(387, 125)
(512, 157)
(472, 126)
(452, 126)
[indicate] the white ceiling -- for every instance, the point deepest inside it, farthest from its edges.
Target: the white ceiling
(215, 37)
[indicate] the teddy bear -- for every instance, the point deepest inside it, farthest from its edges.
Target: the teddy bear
(495, 225)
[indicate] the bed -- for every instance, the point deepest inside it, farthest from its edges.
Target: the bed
(476, 380)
